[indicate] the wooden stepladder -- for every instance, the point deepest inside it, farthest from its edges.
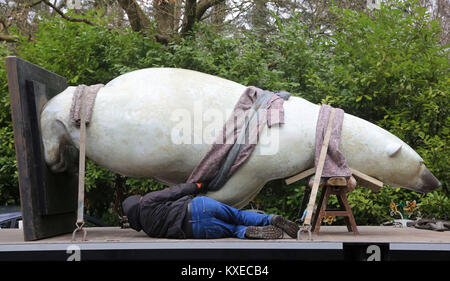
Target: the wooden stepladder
(333, 186)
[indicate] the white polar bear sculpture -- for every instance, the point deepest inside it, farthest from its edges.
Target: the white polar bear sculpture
(138, 129)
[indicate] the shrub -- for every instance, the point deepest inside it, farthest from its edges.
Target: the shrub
(385, 66)
(9, 191)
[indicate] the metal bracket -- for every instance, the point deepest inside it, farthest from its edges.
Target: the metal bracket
(81, 229)
(304, 229)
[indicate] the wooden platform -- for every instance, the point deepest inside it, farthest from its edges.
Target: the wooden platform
(333, 242)
(384, 234)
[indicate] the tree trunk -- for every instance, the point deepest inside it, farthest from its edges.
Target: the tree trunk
(194, 11)
(204, 5)
(167, 15)
(164, 13)
(219, 14)
(137, 18)
(189, 16)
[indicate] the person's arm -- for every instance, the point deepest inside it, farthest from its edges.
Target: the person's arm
(175, 192)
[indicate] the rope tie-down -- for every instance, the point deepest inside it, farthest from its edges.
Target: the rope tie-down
(80, 114)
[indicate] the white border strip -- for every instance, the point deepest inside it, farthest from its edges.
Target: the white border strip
(419, 246)
(172, 246)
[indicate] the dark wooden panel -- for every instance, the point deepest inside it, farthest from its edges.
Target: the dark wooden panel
(48, 200)
(56, 190)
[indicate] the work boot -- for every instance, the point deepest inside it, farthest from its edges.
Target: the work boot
(263, 232)
(286, 225)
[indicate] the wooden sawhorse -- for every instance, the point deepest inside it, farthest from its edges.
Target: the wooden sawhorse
(345, 210)
(309, 223)
(338, 188)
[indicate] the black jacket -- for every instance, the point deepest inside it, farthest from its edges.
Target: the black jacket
(161, 213)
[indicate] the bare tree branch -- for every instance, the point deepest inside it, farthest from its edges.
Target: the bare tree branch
(62, 4)
(204, 5)
(35, 3)
(194, 11)
(65, 16)
(8, 38)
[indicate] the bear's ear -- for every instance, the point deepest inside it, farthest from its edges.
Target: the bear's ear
(393, 148)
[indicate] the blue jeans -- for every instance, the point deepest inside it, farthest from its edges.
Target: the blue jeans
(212, 219)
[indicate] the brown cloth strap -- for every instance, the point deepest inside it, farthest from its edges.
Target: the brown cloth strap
(335, 164)
(84, 97)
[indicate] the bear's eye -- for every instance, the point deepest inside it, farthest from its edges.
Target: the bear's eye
(393, 148)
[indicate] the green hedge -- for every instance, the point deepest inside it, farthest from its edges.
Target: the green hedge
(386, 67)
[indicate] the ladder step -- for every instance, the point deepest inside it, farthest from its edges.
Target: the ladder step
(336, 213)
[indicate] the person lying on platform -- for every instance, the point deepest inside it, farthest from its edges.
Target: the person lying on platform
(174, 212)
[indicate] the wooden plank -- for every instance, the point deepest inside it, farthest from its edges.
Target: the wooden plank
(82, 166)
(335, 213)
(362, 179)
(320, 210)
(111, 236)
(319, 169)
(367, 181)
(300, 176)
